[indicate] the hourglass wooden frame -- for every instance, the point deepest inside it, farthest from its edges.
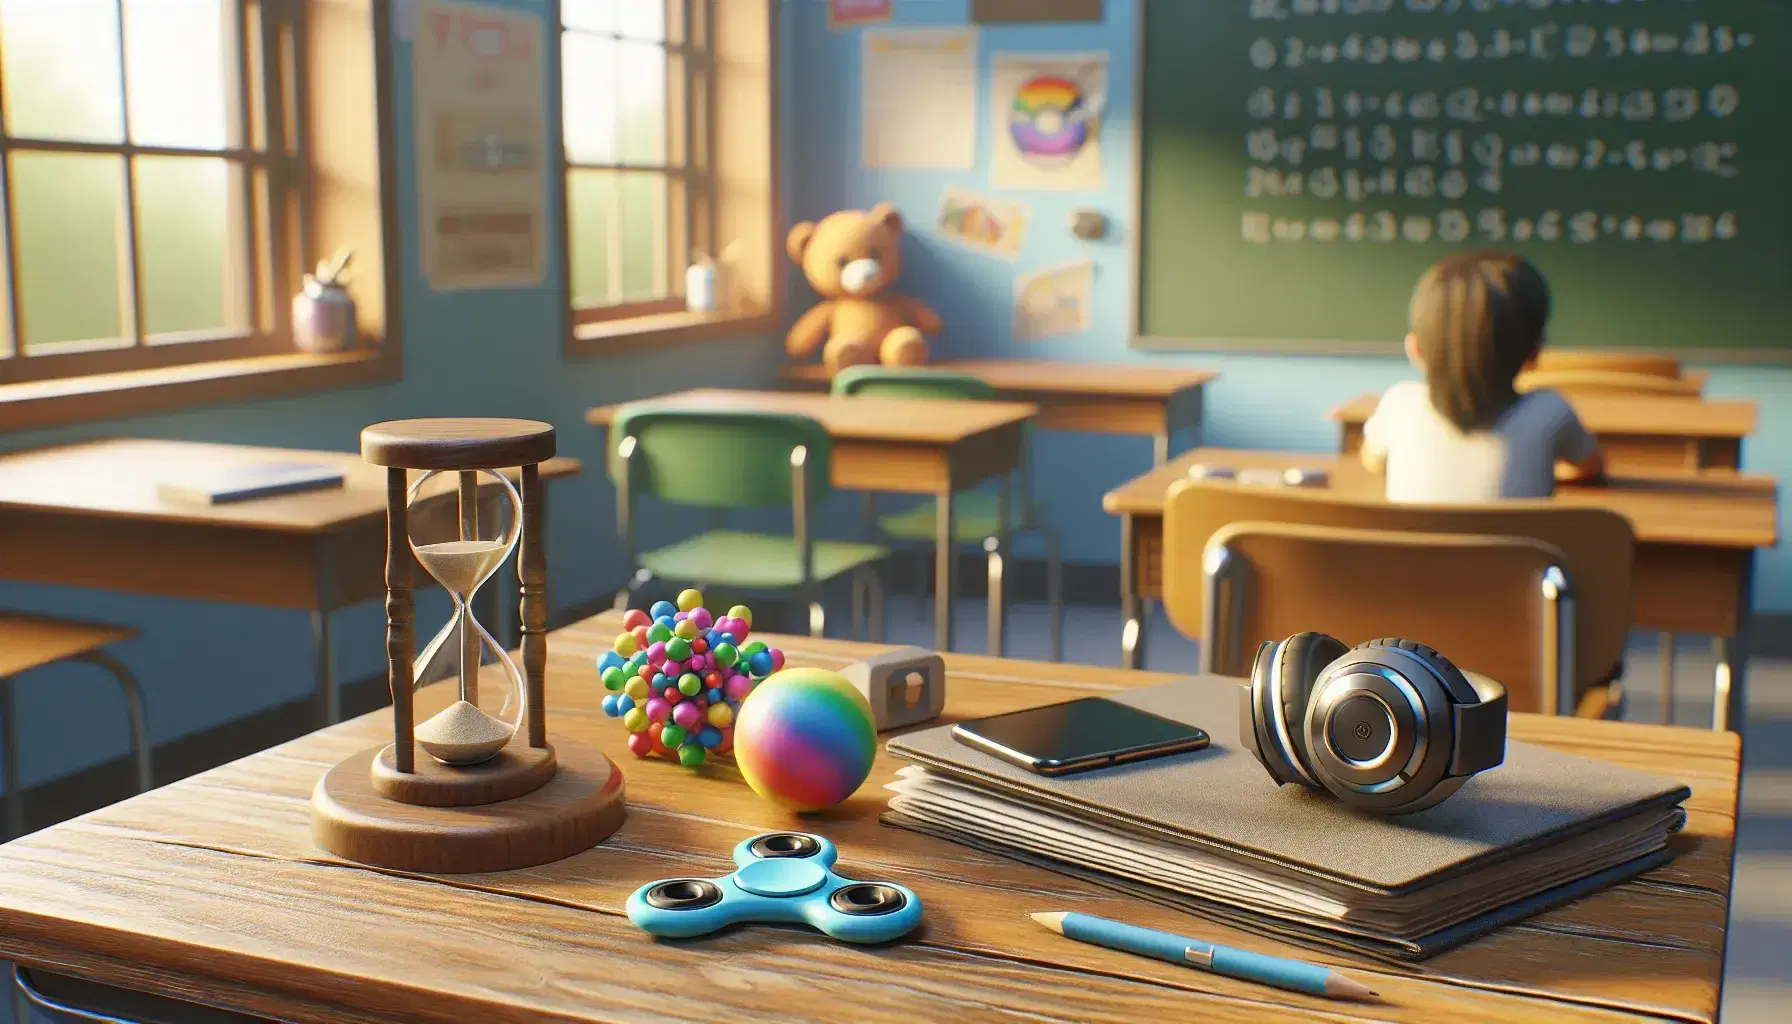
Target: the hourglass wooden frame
(534, 801)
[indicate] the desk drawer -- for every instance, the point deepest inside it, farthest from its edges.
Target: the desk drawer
(58, 999)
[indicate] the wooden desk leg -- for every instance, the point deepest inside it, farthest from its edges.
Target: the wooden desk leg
(329, 701)
(1729, 705)
(945, 563)
(1667, 644)
(1132, 619)
(996, 553)
(14, 793)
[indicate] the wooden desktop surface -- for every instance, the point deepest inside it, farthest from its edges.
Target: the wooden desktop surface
(1105, 398)
(1695, 533)
(210, 889)
(88, 515)
(1638, 431)
(882, 444)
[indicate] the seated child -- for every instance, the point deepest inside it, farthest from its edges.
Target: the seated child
(1465, 434)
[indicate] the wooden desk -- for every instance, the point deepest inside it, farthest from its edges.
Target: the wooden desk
(1094, 398)
(87, 515)
(901, 446)
(210, 890)
(1638, 431)
(1695, 557)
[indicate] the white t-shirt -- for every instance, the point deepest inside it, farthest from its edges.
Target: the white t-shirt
(1430, 461)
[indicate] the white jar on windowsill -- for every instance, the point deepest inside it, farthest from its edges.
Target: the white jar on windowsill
(323, 314)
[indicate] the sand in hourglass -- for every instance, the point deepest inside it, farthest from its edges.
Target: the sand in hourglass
(462, 734)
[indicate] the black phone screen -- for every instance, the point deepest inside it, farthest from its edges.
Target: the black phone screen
(1083, 733)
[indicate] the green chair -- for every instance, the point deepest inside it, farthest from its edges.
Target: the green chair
(729, 460)
(981, 519)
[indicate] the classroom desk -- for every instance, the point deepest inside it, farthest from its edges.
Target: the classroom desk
(87, 515)
(209, 889)
(1695, 557)
(898, 446)
(1637, 431)
(1155, 401)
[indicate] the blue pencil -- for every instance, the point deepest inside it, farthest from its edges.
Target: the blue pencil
(1233, 963)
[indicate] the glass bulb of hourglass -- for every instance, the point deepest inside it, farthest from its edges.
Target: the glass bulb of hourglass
(461, 531)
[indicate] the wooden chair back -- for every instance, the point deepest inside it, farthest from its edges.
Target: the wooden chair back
(1597, 547)
(1515, 622)
(1647, 364)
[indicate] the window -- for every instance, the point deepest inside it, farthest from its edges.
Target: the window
(634, 83)
(667, 118)
(156, 192)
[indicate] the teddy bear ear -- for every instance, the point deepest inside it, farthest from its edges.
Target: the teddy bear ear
(887, 215)
(797, 242)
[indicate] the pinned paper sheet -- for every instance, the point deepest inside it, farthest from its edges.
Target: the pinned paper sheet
(993, 226)
(919, 98)
(1054, 301)
(845, 14)
(1046, 120)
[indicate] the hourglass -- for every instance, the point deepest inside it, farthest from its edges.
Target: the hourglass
(475, 786)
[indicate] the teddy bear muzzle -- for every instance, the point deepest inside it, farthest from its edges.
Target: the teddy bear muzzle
(860, 277)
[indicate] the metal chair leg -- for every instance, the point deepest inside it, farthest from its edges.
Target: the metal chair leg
(858, 603)
(13, 793)
(875, 614)
(1054, 591)
(818, 620)
(133, 702)
(625, 598)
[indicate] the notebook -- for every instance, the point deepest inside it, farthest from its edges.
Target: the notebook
(231, 483)
(1210, 832)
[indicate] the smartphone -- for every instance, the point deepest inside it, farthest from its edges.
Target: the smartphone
(1077, 735)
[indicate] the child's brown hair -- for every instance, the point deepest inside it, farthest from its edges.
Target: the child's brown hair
(1477, 319)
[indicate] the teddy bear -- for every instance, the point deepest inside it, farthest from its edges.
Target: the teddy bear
(851, 258)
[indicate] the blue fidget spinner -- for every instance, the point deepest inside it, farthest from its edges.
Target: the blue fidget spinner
(782, 878)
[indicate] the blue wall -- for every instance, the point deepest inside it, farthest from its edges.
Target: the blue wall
(487, 353)
(1258, 402)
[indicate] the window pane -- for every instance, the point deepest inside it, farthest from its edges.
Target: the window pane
(70, 211)
(634, 19)
(589, 70)
(60, 58)
(187, 231)
(643, 237)
(641, 121)
(641, 19)
(178, 67)
(590, 221)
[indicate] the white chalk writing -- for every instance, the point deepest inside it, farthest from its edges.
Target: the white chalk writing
(1490, 225)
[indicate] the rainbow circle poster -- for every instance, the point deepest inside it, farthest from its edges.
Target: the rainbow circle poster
(1047, 120)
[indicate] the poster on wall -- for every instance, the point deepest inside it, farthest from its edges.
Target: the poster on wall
(845, 14)
(919, 98)
(1046, 120)
(482, 140)
(1054, 301)
(993, 226)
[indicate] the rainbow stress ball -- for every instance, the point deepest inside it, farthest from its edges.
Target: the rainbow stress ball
(805, 739)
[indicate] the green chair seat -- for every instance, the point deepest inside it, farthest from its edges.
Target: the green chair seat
(754, 561)
(976, 515)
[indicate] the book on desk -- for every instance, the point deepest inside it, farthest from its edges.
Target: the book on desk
(223, 485)
(1210, 833)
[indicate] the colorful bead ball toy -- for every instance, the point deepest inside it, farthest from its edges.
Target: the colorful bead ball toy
(677, 675)
(805, 739)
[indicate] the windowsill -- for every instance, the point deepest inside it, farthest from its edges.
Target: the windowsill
(614, 337)
(138, 392)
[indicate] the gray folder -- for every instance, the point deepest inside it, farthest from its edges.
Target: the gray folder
(1542, 828)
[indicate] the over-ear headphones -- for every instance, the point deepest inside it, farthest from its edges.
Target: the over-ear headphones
(1388, 726)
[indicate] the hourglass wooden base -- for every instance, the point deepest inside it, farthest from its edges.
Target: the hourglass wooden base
(516, 770)
(581, 805)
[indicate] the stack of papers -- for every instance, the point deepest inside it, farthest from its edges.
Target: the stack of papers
(1210, 833)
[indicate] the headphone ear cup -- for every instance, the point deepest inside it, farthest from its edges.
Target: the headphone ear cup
(1256, 727)
(1304, 657)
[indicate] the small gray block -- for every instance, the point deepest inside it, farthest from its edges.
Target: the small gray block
(905, 686)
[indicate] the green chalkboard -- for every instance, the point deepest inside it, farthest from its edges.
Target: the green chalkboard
(1304, 160)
